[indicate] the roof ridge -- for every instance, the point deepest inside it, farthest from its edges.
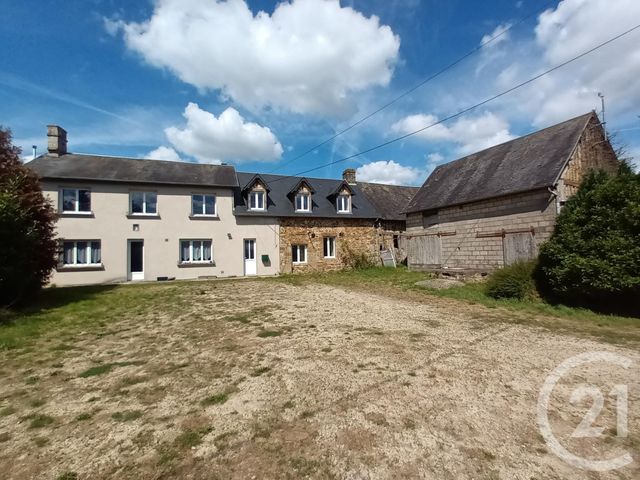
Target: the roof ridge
(521, 137)
(120, 157)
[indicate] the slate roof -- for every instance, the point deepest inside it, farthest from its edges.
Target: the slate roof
(389, 200)
(526, 163)
(74, 166)
(280, 202)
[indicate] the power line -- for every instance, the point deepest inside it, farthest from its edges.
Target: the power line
(414, 88)
(468, 109)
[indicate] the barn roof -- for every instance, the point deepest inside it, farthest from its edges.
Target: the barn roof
(389, 200)
(526, 163)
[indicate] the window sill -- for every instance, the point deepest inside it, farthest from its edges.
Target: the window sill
(256, 209)
(299, 263)
(196, 264)
(76, 215)
(148, 216)
(343, 213)
(81, 268)
(329, 258)
(204, 217)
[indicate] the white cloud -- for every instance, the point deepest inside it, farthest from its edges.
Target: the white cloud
(388, 172)
(497, 31)
(470, 134)
(164, 153)
(306, 57)
(227, 137)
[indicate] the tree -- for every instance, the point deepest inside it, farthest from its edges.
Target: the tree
(28, 250)
(593, 256)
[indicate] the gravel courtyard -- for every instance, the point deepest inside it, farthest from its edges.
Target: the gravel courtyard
(263, 379)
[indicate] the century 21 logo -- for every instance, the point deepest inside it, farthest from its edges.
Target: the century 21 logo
(586, 429)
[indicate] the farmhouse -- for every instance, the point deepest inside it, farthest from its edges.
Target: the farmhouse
(497, 206)
(124, 219)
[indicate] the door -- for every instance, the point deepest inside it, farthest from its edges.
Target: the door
(519, 247)
(250, 264)
(424, 251)
(136, 260)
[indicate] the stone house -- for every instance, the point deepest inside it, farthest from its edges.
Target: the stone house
(323, 223)
(497, 206)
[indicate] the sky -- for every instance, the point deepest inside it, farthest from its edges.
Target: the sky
(258, 84)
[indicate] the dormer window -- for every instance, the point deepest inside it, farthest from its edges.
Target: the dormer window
(343, 203)
(303, 202)
(256, 200)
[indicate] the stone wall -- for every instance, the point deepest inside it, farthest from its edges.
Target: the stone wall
(352, 235)
(471, 235)
(593, 152)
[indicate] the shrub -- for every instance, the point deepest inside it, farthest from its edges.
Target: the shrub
(593, 257)
(356, 260)
(514, 281)
(27, 245)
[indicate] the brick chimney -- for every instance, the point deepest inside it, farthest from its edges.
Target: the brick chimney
(56, 140)
(349, 176)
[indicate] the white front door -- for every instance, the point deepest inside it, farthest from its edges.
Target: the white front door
(136, 260)
(250, 263)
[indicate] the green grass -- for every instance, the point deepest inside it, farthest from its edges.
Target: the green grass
(40, 420)
(269, 333)
(69, 310)
(216, 399)
(192, 438)
(6, 411)
(259, 371)
(126, 416)
(400, 282)
(106, 368)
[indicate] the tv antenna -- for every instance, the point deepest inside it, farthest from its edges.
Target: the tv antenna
(604, 122)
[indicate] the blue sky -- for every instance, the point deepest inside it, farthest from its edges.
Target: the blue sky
(207, 81)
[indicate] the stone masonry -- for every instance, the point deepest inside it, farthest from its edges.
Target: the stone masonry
(352, 235)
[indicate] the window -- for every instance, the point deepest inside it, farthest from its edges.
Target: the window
(75, 200)
(144, 203)
(195, 251)
(203, 205)
(299, 253)
(303, 202)
(329, 247)
(344, 203)
(256, 201)
(86, 252)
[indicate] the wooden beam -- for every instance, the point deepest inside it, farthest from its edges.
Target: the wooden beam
(502, 233)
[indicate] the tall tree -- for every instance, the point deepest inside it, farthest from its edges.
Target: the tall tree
(28, 250)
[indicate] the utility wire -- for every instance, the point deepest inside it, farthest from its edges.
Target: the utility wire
(415, 87)
(468, 109)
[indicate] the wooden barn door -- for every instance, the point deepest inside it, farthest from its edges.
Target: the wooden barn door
(424, 251)
(518, 247)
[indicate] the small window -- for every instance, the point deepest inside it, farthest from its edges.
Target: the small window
(256, 201)
(75, 200)
(195, 251)
(303, 202)
(329, 247)
(203, 205)
(344, 203)
(299, 254)
(143, 203)
(81, 253)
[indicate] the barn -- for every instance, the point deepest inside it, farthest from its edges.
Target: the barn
(497, 206)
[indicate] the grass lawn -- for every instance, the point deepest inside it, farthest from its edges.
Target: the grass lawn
(401, 281)
(349, 375)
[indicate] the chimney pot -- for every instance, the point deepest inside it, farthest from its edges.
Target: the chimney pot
(56, 140)
(349, 176)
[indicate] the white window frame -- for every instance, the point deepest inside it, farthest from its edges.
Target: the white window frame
(75, 253)
(144, 212)
(299, 249)
(191, 244)
(76, 201)
(254, 196)
(347, 197)
(305, 197)
(329, 246)
(202, 213)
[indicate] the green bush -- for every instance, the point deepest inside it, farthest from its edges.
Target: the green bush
(357, 260)
(593, 257)
(514, 281)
